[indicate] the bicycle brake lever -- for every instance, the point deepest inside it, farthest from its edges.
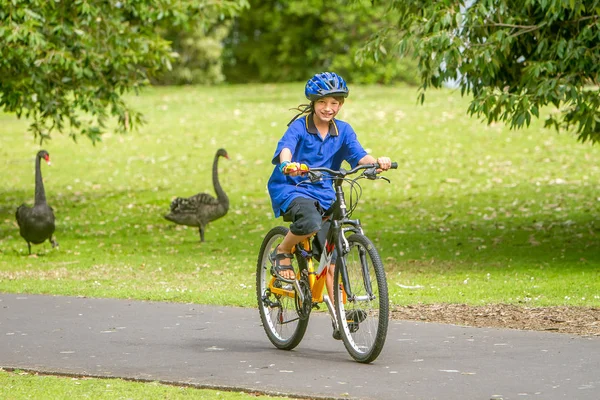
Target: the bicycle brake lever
(370, 173)
(315, 176)
(384, 178)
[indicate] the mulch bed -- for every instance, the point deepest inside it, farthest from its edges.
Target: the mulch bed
(583, 321)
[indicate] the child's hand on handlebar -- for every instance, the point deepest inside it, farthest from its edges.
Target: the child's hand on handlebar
(293, 168)
(385, 163)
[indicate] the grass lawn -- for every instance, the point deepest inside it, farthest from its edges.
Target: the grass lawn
(475, 214)
(19, 385)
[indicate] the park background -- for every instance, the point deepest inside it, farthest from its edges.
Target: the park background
(476, 214)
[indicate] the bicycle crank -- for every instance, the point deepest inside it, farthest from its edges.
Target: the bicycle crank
(303, 307)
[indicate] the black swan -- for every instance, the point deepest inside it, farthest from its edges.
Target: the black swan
(201, 208)
(36, 224)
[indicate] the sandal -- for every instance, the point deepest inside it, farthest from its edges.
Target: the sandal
(336, 332)
(276, 266)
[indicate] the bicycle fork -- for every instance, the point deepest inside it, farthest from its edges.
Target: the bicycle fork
(331, 310)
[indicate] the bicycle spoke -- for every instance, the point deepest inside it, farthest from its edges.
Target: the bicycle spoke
(363, 318)
(281, 322)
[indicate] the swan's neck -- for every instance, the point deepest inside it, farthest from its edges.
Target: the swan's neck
(40, 193)
(221, 196)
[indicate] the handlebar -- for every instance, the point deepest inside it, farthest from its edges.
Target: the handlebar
(343, 172)
(315, 173)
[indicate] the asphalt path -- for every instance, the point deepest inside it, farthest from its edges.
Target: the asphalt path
(226, 347)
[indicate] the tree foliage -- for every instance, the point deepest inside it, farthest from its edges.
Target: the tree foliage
(290, 40)
(199, 55)
(513, 56)
(65, 64)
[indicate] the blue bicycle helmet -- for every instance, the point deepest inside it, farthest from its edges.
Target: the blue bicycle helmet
(325, 84)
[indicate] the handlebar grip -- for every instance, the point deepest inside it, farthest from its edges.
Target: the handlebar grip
(394, 165)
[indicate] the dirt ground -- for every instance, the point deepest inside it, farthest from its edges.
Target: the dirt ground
(571, 320)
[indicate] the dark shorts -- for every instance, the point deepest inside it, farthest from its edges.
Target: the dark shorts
(306, 216)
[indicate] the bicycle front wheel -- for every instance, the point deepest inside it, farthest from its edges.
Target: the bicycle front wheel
(277, 299)
(362, 310)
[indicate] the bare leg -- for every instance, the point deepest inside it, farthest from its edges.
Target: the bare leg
(329, 286)
(329, 282)
(286, 246)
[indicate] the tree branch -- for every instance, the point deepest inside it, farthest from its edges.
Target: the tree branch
(523, 28)
(499, 24)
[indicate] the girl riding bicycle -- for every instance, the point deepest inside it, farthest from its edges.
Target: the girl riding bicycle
(314, 138)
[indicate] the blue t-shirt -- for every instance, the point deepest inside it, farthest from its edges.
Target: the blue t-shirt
(307, 146)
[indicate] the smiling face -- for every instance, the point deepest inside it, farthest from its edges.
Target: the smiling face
(326, 109)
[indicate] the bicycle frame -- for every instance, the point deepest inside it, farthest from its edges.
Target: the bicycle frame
(358, 304)
(340, 224)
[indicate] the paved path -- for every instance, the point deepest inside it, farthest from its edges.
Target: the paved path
(209, 346)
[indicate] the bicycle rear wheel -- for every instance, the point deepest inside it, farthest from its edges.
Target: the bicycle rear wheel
(282, 324)
(362, 317)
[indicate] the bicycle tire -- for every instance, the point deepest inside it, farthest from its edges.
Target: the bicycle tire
(363, 322)
(280, 319)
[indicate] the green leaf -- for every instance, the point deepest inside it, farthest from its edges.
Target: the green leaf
(65, 65)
